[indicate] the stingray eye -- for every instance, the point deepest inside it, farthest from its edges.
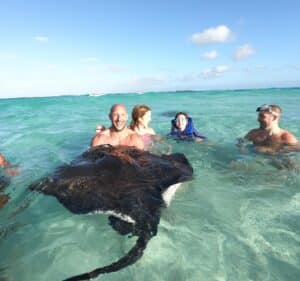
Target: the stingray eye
(100, 157)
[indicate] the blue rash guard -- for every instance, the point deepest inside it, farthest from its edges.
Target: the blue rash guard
(189, 133)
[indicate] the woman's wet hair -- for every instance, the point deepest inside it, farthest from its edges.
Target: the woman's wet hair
(177, 114)
(181, 113)
(137, 112)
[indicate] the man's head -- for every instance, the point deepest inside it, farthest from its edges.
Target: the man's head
(268, 115)
(118, 116)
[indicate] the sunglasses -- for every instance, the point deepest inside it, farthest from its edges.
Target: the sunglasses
(267, 108)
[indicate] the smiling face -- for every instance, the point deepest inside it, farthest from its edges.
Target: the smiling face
(118, 117)
(181, 122)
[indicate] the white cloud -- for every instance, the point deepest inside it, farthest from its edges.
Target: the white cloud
(210, 55)
(8, 56)
(89, 59)
(41, 39)
(243, 52)
(215, 72)
(218, 34)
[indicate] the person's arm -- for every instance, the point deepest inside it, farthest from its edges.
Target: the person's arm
(198, 139)
(242, 142)
(10, 171)
(249, 135)
(97, 140)
(137, 141)
(289, 138)
(198, 136)
(3, 162)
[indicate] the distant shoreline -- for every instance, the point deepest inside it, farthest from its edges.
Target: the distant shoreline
(95, 94)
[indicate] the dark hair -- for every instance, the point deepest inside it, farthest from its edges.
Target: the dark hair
(137, 112)
(181, 113)
(177, 114)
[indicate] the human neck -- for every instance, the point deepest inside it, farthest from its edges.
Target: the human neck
(141, 127)
(118, 132)
(273, 129)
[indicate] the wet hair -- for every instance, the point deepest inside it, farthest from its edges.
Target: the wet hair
(137, 112)
(181, 113)
(176, 115)
(276, 108)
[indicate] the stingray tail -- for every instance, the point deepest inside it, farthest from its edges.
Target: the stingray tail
(130, 258)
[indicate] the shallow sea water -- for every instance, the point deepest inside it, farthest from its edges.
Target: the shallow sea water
(239, 219)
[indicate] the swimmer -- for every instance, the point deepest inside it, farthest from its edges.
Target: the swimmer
(141, 117)
(118, 133)
(182, 128)
(269, 137)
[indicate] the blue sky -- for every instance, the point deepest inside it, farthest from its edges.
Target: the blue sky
(76, 47)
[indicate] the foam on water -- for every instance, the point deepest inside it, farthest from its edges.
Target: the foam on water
(238, 219)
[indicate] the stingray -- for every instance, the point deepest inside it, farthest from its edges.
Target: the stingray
(128, 184)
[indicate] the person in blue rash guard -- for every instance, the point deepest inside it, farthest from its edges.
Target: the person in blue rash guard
(182, 128)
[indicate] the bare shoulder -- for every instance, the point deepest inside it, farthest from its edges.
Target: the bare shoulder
(100, 138)
(134, 137)
(288, 137)
(130, 131)
(252, 134)
(151, 131)
(136, 140)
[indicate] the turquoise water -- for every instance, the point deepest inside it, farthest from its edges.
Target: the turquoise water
(239, 219)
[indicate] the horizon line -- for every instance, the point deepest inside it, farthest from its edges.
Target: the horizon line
(95, 94)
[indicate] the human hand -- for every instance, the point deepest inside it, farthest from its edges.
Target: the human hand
(240, 142)
(100, 128)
